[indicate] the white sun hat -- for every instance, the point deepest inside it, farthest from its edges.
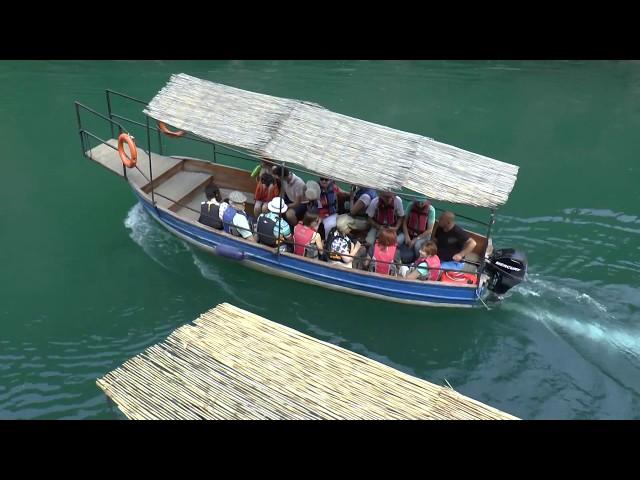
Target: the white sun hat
(277, 205)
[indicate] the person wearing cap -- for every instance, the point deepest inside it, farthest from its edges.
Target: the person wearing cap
(417, 225)
(272, 230)
(311, 195)
(235, 220)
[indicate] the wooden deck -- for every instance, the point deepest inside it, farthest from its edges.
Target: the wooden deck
(107, 156)
(232, 364)
(178, 183)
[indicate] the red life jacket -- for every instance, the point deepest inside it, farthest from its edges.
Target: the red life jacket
(385, 256)
(302, 236)
(386, 214)
(459, 278)
(434, 266)
(417, 221)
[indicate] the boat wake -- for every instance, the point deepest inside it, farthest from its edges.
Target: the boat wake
(170, 252)
(567, 313)
(156, 242)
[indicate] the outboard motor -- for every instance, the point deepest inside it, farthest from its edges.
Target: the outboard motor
(506, 269)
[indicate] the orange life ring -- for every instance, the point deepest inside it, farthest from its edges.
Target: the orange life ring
(163, 128)
(128, 162)
(459, 278)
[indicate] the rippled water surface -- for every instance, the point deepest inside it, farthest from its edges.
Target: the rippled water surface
(89, 280)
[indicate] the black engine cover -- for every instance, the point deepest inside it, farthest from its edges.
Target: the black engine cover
(506, 268)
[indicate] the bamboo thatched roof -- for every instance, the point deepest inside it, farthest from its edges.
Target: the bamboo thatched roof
(331, 144)
(232, 364)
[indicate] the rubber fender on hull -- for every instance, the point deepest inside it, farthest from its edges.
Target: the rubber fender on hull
(229, 252)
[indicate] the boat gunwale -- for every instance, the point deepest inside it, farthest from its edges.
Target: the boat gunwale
(311, 261)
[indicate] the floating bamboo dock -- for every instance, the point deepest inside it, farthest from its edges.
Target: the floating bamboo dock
(231, 364)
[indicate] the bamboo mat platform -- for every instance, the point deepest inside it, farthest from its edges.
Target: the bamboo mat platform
(232, 364)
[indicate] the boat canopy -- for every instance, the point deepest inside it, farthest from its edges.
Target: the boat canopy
(331, 144)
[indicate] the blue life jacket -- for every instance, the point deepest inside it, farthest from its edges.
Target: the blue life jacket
(332, 200)
(369, 191)
(227, 220)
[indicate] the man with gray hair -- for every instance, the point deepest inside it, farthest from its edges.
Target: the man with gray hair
(235, 220)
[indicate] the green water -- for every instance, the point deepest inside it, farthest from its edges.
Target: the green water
(89, 280)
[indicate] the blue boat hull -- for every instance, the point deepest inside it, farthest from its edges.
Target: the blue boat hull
(318, 273)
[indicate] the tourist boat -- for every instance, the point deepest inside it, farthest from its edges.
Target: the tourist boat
(237, 126)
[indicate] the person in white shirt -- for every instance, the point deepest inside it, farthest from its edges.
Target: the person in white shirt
(292, 185)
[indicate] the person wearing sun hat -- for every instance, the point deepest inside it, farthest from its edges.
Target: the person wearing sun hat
(235, 220)
(272, 229)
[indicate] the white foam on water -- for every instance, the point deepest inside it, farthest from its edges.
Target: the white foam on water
(156, 242)
(592, 320)
(538, 287)
(615, 337)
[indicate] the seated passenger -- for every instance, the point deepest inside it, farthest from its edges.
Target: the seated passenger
(222, 209)
(272, 229)
(264, 166)
(210, 210)
(341, 248)
(385, 210)
(417, 225)
(384, 253)
(307, 241)
(452, 241)
(328, 203)
(359, 200)
(292, 185)
(262, 194)
(311, 195)
(235, 220)
(427, 267)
